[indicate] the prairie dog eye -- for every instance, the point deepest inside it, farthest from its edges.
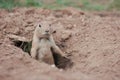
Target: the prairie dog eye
(39, 25)
(54, 31)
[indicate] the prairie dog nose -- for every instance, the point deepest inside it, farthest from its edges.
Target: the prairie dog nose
(47, 31)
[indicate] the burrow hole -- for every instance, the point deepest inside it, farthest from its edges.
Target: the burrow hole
(60, 61)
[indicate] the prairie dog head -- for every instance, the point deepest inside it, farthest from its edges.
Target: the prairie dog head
(44, 30)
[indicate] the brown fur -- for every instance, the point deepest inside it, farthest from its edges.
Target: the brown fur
(42, 43)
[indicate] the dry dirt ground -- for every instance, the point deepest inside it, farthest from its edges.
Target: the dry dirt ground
(90, 40)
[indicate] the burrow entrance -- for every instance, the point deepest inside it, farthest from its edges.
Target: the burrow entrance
(60, 61)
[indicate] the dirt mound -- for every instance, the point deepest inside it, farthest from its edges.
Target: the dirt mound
(91, 42)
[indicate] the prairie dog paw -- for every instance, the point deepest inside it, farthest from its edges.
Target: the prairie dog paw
(53, 65)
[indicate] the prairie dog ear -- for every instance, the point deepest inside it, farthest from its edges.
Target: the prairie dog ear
(50, 25)
(39, 25)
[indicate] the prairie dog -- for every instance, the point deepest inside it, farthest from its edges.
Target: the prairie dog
(42, 44)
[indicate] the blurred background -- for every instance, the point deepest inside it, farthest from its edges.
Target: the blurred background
(98, 5)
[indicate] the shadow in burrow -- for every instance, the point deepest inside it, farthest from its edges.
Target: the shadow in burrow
(60, 61)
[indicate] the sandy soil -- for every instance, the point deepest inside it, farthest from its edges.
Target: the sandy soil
(89, 40)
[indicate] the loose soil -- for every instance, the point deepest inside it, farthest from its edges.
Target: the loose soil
(90, 40)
